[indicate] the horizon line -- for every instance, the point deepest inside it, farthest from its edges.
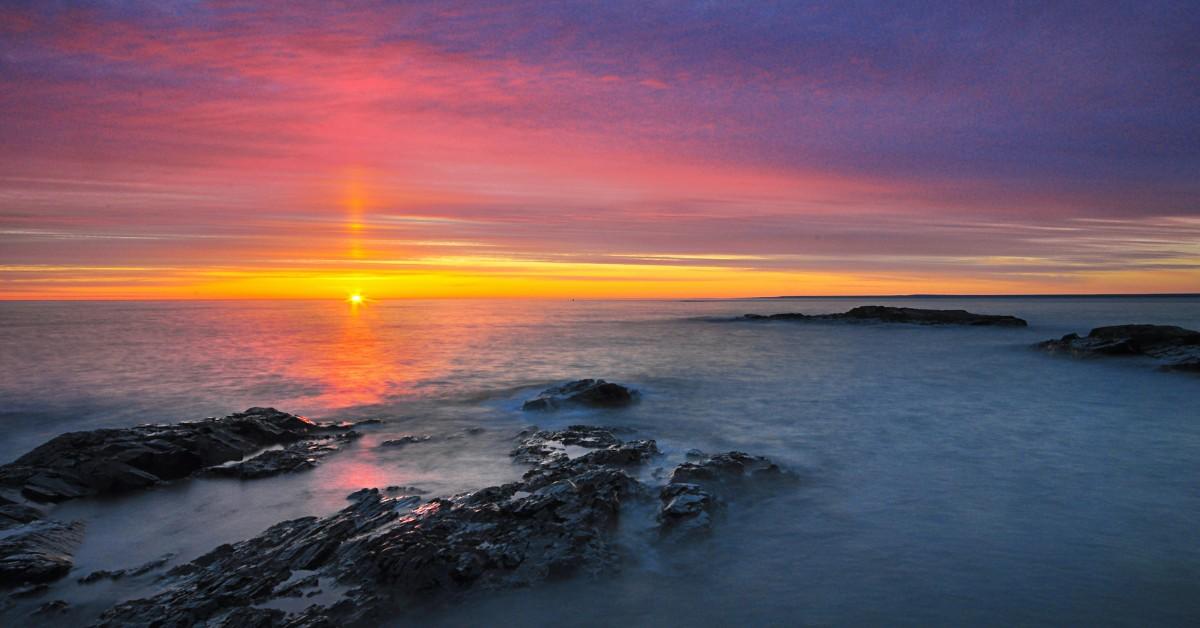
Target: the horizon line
(682, 299)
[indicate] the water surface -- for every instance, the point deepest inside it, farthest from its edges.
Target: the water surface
(950, 475)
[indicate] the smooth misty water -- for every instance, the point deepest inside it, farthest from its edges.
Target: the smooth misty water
(951, 475)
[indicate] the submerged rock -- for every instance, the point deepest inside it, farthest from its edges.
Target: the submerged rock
(1175, 348)
(407, 439)
(592, 393)
(380, 554)
(886, 314)
(40, 552)
(53, 607)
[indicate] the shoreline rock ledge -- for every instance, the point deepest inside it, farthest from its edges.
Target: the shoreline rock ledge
(76, 465)
(911, 315)
(109, 461)
(1175, 348)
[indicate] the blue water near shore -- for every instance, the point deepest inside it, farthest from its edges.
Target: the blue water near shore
(951, 475)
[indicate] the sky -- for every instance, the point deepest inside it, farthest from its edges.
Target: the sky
(597, 149)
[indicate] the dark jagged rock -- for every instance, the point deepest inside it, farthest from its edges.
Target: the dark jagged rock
(16, 514)
(407, 439)
(722, 470)
(697, 488)
(379, 554)
(592, 393)
(107, 461)
(536, 446)
(53, 607)
(295, 457)
(686, 509)
(1175, 348)
(105, 574)
(886, 314)
(40, 552)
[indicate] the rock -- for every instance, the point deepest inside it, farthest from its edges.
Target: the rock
(696, 488)
(592, 393)
(537, 446)
(723, 470)
(12, 515)
(109, 461)
(1175, 348)
(686, 510)
(383, 554)
(31, 590)
(104, 574)
(295, 457)
(407, 439)
(886, 314)
(41, 551)
(53, 607)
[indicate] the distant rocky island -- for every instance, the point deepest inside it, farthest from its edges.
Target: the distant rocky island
(1173, 348)
(911, 315)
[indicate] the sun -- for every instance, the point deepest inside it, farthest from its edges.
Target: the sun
(356, 299)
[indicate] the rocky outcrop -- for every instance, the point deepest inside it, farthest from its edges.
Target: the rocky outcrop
(698, 487)
(370, 560)
(1175, 348)
(592, 393)
(885, 314)
(14, 511)
(295, 457)
(39, 552)
(107, 461)
(117, 574)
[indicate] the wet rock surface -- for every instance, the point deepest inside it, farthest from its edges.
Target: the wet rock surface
(111, 461)
(592, 393)
(296, 457)
(886, 314)
(698, 488)
(39, 552)
(1175, 348)
(108, 461)
(117, 574)
(381, 554)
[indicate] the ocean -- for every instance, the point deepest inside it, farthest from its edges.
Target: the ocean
(948, 475)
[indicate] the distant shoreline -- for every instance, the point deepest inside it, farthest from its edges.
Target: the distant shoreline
(1155, 295)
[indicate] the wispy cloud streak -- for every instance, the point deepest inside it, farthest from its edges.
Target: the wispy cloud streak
(620, 149)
